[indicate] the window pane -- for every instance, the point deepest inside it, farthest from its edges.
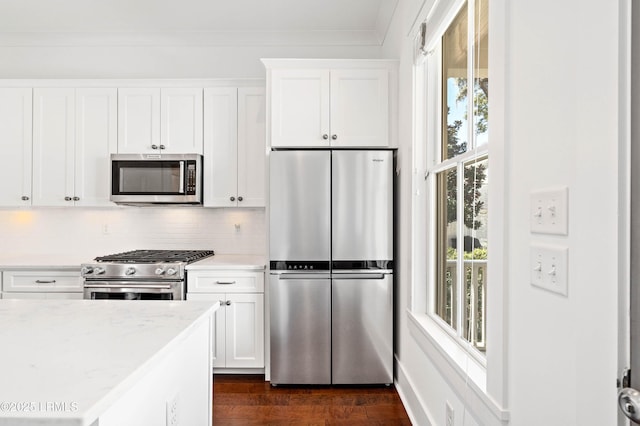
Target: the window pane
(481, 73)
(454, 87)
(446, 216)
(476, 180)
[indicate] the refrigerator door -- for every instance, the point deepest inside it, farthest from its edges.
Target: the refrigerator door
(300, 205)
(300, 311)
(362, 328)
(362, 202)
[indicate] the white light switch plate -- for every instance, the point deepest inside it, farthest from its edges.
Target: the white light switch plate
(549, 266)
(549, 212)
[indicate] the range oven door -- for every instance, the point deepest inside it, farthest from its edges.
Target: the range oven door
(128, 290)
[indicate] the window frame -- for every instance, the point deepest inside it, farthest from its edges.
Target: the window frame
(483, 379)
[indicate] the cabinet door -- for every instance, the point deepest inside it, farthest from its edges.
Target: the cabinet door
(218, 328)
(181, 121)
(245, 331)
(53, 147)
(220, 147)
(138, 120)
(251, 147)
(16, 134)
(360, 108)
(300, 108)
(96, 140)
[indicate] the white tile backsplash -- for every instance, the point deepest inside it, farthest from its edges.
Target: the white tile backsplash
(97, 232)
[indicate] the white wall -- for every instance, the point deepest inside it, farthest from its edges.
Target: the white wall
(561, 127)
(91, 232)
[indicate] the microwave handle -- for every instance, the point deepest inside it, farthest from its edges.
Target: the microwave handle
(183, 190)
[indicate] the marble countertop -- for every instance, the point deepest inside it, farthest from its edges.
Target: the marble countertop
(229, 261)
(83, 353)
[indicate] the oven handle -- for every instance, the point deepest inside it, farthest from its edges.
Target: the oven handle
(129, 286)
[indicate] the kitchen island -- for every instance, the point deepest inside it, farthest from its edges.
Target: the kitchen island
(84, 362)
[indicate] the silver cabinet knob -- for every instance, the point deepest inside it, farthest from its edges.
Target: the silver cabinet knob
(154, 146)
(228, 302)
(629, 402)
(25, 198)
(334, 137)
(162, 147)
(76, 198)
(240, 198)
(325, 136)
(68, 198)
(232, 198)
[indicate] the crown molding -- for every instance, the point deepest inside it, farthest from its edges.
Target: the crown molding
(198, 38)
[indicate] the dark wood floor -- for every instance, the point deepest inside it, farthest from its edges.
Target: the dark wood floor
(248, 400)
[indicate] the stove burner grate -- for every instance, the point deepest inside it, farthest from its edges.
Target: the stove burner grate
(153, 256)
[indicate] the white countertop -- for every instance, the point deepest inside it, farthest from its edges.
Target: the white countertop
(229, 261)
(83, 353)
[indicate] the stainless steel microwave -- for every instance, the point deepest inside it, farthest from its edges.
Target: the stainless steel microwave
(151, 179)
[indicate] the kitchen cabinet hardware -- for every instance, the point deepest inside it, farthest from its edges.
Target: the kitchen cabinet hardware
(240, 198)
(154, 146)
(162, 146)
(68, 198)
(76, 198)
(225, 282)
(25, 198)
(325, 136)
(232, 198)
(45, 281)
(228, 303)
(334, 137)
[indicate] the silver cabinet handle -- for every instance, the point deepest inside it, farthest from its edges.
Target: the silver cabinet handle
(240, 198)
(45, 281)
(232, 198)
(225, 282)
(325, 136)
(25, 198)
(334, 137)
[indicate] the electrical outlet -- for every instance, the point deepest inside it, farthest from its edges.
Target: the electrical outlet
(448, 414)
(549, 211)
(172, 411)
(549, 268)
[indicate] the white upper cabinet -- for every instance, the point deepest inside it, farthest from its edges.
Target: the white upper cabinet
(234, 149)
(154, 120)
(74, 132)
(319, 103)
(16, 136)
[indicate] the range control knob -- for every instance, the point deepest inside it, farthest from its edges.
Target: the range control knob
(171, 271)
(159, 271)
(86, 270)
(98, 270)
(130, 270)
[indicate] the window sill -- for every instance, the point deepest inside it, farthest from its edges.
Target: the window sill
(465, 374)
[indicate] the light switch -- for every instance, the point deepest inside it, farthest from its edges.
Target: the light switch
(549, 268)
(549, 212)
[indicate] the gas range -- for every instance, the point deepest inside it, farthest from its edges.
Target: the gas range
(140, 274)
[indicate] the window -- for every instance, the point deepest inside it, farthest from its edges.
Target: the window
(459, 169)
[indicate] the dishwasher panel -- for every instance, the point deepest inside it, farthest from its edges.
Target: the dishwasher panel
(300, 310)
(362, 328)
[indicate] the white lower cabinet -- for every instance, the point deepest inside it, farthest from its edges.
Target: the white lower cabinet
(238, 332)
(41, 284)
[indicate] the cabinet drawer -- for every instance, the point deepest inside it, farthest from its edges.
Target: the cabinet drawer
(225, 282)
(41, 281)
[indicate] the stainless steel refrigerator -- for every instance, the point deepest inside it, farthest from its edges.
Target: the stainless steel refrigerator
(331, 262)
